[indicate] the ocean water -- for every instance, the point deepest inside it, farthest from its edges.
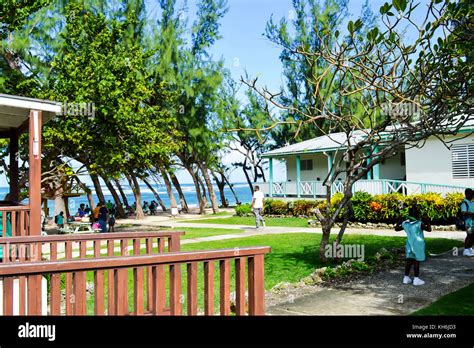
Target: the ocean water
(241, 189)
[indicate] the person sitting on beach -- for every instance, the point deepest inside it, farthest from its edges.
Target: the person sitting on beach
(414, 226)
(81, 211)
(87, 210)
(153, 207)
(146, 208)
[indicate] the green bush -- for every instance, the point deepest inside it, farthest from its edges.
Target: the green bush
(276, 207)
(304, 207)
(360, 206)
(387, 208)
(243, 209)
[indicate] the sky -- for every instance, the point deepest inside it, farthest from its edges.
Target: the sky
(243, 48)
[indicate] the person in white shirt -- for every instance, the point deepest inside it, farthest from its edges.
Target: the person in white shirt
(257, 206)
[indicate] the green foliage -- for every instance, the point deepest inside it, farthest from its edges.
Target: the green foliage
(387, 208)
(243, 209)
(99, 65)
(360, 205)
(304, 207)
(275, 207)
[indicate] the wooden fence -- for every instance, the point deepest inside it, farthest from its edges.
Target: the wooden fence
(55, 247)
(15, 219)
(140, 284)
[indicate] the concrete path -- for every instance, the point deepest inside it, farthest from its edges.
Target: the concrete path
(382, 293)
(252, 231)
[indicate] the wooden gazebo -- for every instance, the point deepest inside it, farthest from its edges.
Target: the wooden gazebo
(28, 259)
(19, 115)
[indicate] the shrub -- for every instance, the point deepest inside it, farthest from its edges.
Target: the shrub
(361, 206)
(276, 207)
(387, 208)
(243, 209)
(304, 207)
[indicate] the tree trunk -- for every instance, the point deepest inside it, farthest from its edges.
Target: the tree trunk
(201, 203)
(120, 210)
(155, 193)
(203, 189)
(59, 204)
(177, 186)
(98, 189)
(220, 186)
(133, 182)
(212, 195)
(326, 228)
(66, 206)
(231, 187)
(347, 214)
(124, 197)
(169, 189)
(249, 182)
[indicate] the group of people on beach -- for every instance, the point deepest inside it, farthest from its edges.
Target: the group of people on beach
(102, 217)
(413, 224)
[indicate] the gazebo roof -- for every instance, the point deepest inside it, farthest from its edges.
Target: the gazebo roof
(15, 110)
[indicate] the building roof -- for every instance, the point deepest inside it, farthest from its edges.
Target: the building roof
(323, 143)
(15, 110)
(335, 141)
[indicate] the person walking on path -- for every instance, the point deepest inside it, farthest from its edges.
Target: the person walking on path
(467, 211)
(415, 245)
(257, 206)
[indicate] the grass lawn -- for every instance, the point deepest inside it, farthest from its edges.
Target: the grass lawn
(293, 257)
(456, 303)
(250, 221)
(198, 232)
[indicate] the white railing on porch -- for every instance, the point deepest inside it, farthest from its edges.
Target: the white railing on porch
(315, 189)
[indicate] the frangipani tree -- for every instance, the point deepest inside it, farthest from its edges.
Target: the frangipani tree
(384, 92)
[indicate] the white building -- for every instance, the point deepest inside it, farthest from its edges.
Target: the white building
(431, 168)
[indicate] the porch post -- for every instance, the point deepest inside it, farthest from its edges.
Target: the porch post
(330, 160)
(270, 166)
(298, 174)
(35, 172)
(14, 177)
(376, 168)
(369, 173)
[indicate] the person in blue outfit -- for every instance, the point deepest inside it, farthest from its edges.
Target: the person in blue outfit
(467, 211)
(8, 233)
(414, 226)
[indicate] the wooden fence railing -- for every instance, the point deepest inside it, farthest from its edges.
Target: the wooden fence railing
(117, 285)
(55, 247)
(15, 220)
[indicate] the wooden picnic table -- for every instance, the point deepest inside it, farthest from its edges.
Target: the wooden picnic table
(79, 226)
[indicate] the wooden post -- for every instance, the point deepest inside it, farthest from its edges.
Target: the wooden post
(298, 174)
(369, 173)
(35, 172)
(376, 168)
(256, 285)
(14, 191)
(270, 165)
